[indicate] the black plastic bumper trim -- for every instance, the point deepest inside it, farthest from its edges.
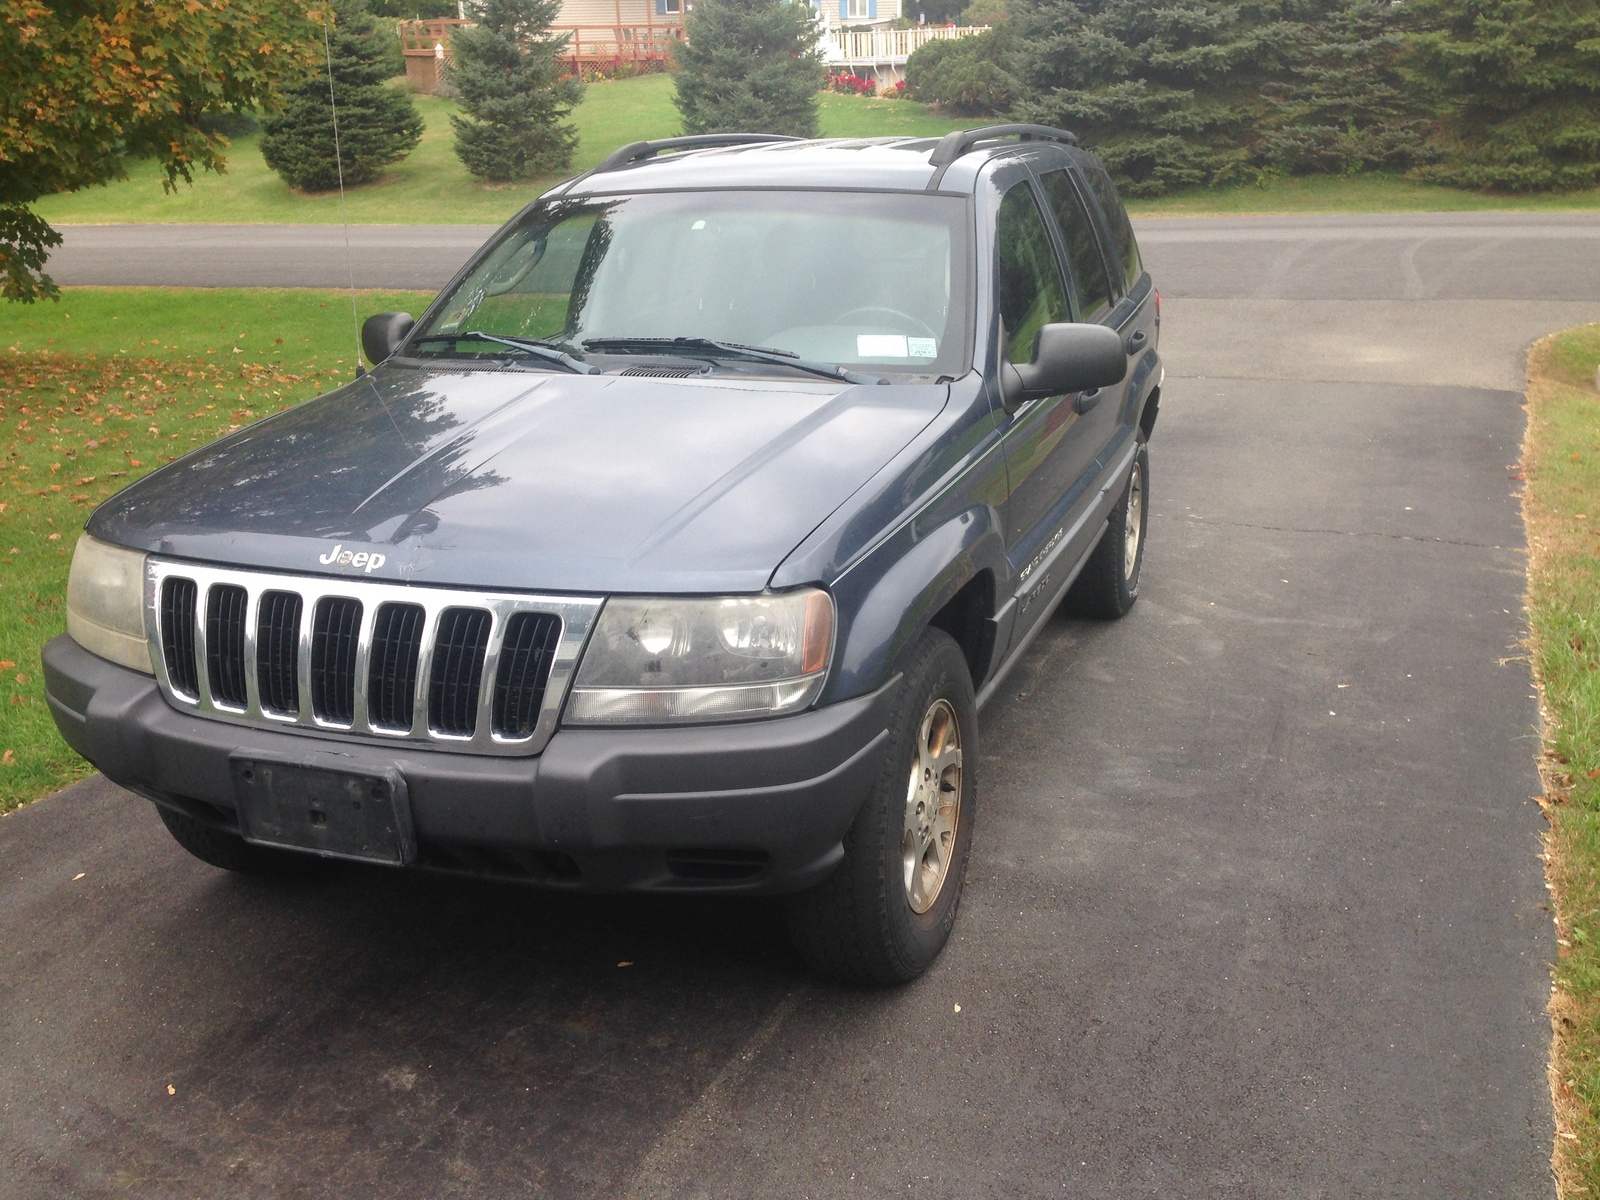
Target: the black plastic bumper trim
(619, 803)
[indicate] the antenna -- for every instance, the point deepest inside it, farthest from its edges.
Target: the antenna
(344, 216)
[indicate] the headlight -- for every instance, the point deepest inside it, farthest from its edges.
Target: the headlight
(105, 603)
(655, 661)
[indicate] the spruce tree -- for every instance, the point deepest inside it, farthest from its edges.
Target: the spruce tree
(1347, 104)
(511, 89)
(749, 66)
(1173, 95)
(378, 124)
(1519, 82)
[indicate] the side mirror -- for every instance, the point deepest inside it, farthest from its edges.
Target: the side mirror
(1066, 358)
(381, 335)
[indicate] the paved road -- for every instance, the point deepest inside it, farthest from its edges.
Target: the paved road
(1255, 908)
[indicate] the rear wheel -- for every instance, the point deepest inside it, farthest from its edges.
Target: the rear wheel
(231, 852)
(886, 911)
(1109, 583)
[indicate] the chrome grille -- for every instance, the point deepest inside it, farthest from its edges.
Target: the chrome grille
(484, 672)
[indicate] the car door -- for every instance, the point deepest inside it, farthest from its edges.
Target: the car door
(1049, 459)
(1096, 290)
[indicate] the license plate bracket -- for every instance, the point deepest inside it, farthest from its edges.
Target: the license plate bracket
(331, 810)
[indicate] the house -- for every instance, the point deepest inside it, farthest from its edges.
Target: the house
(602, 36)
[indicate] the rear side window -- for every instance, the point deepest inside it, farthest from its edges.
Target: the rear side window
(1083, 247)
(1029, 281)
(1117, 217)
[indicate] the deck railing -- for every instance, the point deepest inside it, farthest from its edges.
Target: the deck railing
(892, 45)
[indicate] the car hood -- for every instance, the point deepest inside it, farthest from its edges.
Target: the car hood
(525, 480)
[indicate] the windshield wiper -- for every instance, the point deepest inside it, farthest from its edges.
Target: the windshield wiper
(547, 351)
(707, 348)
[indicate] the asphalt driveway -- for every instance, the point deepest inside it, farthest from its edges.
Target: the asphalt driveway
(1255, 908)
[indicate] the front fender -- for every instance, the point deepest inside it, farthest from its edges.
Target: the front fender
(887, 599)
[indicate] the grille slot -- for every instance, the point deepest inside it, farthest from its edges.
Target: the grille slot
(178, 598)
(392, 674)
(278, 652)
(335, 624)
(458, 670)
(459, 647)
(526, 653)
(225, 605)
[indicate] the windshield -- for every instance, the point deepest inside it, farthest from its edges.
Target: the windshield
(876, 280)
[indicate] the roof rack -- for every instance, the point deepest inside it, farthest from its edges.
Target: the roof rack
(953, 145)
(634, 152)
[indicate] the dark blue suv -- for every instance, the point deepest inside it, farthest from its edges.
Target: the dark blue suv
(674, 549)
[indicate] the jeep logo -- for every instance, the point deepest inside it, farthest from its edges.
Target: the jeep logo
(340, 557)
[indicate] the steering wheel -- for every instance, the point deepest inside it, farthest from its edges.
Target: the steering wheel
(882, 310)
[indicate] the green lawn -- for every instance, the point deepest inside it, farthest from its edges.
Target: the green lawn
(431, 186)
(94, 392)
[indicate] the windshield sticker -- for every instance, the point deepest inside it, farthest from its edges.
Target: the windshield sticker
(922, 347)
(881, 345)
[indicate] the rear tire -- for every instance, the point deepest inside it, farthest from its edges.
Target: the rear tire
(231, 852)
(1109, 583)
(886, 912)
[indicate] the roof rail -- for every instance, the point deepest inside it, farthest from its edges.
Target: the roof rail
(953, 145)
(634, 152)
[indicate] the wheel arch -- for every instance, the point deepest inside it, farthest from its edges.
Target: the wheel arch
(946, 577)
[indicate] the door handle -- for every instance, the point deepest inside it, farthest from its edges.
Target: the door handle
(1084, 401)
(1136, 341)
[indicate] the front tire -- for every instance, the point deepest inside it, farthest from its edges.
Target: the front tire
(1109, 583)
(886, 912)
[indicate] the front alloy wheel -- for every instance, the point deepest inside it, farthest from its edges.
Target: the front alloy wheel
(933, 806)
(887, 910)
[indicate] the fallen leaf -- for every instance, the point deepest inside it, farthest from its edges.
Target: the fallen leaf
(6, 664)
(624, 964)
(78, 876)
(8, 759)
(1594, 774)
(54, 537)
(958, 1008)
(22, 679)
(171, 1091)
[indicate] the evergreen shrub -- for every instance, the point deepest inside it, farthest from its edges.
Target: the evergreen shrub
(514, 92)
(749, 66)
(378, 124)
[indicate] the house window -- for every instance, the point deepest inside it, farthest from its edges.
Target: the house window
(674, 6)
(859, 9)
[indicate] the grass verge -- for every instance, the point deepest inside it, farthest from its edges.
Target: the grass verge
(100, 389)
(1561, 463)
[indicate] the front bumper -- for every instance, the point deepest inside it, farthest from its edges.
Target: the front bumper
(756, 807)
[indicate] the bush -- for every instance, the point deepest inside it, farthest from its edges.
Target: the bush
(378, 124)
(851, 85)
(1519, 86)
(966, 77)
(513, 92)
(749, 66)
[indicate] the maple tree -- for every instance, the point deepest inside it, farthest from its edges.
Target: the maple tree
(87, 84)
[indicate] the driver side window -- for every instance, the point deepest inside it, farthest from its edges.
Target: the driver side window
(1028, 279)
